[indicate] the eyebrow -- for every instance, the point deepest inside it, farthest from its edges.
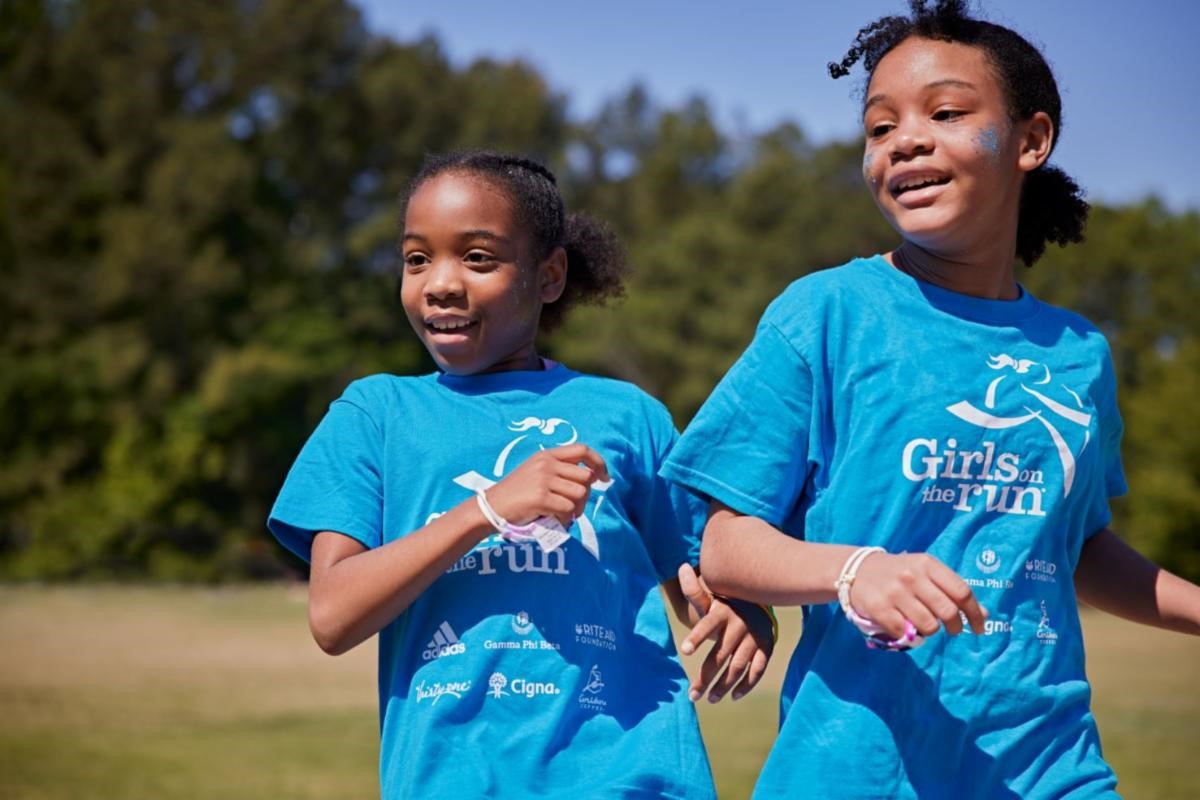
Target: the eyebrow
(479, 233)
(879, 98)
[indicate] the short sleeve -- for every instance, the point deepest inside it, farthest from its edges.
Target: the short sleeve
(1112, 429)
(335, 483)
(669, 518)
(748, 446)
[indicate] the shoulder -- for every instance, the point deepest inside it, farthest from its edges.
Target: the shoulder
(627, 402)
(1074, 330)
(802, 310)
(377, 394)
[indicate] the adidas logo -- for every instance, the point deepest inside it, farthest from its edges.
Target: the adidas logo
(444, 643)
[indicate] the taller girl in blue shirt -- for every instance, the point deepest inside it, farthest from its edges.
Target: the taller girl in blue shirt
(912, 438)
(502, 526)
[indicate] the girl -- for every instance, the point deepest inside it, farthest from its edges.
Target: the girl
(914, 443)
(501, 525)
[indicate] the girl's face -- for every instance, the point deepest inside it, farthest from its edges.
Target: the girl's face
(943, 159)
(470, 287)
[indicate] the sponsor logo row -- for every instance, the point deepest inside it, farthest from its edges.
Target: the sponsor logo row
(445, 641)
(503, 688)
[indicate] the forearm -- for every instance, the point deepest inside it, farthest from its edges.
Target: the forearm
(354, 594)
(745, 557)
(1113, 577)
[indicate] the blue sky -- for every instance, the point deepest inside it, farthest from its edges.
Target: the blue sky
(1128, 72)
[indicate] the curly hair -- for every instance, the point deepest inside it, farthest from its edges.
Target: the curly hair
(1052, 207)
(597, 266)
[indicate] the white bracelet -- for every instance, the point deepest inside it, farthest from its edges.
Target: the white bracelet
(512, 533)
(846, 577)
(495, 520)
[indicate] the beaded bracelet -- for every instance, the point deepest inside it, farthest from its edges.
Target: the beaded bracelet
(877, 638)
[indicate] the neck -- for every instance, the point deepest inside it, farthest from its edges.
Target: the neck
(526, 359)
(989, 275)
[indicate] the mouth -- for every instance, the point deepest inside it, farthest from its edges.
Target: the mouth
(906, 184)
(450, 326)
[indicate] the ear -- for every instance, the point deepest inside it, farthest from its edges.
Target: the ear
(552, 276)
(1037, 140)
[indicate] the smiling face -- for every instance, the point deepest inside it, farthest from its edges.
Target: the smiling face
(471, 288)
(943, 159)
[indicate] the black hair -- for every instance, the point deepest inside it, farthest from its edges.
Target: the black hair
(1052, 207)
(596, 263)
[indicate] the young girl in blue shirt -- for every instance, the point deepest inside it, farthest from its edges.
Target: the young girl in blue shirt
(921, 454)
(501, 524)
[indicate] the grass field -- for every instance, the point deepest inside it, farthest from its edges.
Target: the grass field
(124, 693)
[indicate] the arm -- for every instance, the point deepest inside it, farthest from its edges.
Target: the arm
(1113, 577)
(354, 591)
(747, 557)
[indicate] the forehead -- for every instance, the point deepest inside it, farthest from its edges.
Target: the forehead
(461, 200)
(916, 63)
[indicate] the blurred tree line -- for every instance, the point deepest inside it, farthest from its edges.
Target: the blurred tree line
(197, 252)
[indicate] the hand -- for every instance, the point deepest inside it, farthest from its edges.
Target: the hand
(916, 587)
(743, 635)
(550, 483)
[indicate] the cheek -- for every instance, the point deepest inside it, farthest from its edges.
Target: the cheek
(868, 162)
(987, 143)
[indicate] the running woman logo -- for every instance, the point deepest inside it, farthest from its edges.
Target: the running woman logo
(590, 696)
(444, 643)
(554, 432)
(999, 477)
(1045, 633)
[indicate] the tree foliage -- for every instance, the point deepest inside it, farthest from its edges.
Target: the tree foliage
(197, 252)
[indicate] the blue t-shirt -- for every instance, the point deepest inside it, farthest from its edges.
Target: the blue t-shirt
(519, 672)
(875, 409)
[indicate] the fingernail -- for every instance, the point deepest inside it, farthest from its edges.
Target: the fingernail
(693, 695)
(738, 696)
(714, 698)
(687, 648)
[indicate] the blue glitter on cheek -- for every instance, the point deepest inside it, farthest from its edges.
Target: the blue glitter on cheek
(989, 141)
(868, 159)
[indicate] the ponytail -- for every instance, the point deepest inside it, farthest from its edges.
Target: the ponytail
(1052, 210)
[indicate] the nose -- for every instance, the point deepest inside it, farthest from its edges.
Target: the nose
(911, 138)
(444, 280)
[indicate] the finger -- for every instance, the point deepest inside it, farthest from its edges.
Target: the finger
(961, 595)
(559, 507)
(694, 590)
(570, 490)
(584, 476)
(704, 629)
(708, 671)
(942, 607)
(738, 664)
(582, 454)
(893, 622)
(915, 611)
(758, 666)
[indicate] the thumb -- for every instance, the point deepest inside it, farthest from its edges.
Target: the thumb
(697, 595)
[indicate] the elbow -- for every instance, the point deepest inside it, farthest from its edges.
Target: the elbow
(327, 630)
(714, 562)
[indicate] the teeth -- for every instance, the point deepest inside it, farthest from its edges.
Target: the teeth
(449, 324)
(916, 183)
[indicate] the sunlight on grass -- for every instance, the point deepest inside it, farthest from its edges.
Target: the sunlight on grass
(182, 693)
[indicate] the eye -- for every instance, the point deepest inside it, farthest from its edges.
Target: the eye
(948, 114)
(878, 129)
(480, 259)
(415, 260)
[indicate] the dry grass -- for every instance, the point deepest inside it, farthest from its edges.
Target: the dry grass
(127, 693)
